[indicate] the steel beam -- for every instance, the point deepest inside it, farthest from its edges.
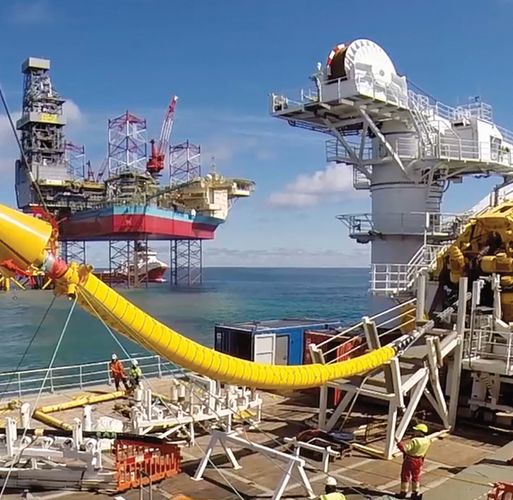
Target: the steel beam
(458, 352)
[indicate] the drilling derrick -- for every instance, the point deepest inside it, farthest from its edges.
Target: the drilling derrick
(42, 138)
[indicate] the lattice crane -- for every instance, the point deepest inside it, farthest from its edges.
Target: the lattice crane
(157, 158)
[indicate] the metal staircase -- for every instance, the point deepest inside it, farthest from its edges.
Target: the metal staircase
(420, 110)
(391, 280)
(434, 192)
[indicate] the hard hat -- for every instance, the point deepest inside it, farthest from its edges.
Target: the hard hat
(135, 362)
(331, 481)
(114, 357)
(421, 428)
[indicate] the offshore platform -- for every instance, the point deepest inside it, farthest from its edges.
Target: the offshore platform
(436, 347)
(143, 192)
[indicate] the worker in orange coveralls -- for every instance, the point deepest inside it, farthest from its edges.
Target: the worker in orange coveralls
(414, 452)
(117, 372)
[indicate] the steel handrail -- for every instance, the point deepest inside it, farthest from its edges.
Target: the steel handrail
(68, 376)
(360, 324)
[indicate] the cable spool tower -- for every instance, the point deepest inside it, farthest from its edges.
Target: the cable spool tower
(404, 148)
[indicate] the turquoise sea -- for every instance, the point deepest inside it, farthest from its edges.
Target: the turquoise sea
(227, 295)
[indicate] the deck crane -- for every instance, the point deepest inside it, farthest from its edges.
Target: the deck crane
(158, 151)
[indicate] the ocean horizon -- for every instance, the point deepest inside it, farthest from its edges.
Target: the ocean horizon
(227, 295)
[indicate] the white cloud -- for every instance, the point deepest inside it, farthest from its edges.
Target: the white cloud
(72, 112)
(293, 200)
(6, 135)
(311, 189)
(27, 12)
(8, 148)
(353, 255)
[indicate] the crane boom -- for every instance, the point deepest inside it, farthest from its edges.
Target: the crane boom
(158, 152)
(167, 125)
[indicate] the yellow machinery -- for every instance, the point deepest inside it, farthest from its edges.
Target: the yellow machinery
(484, 248)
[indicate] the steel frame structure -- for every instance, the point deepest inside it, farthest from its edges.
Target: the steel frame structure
(127, 149)
(294, 464)
(75, 160)
(123, 260)
(184, 162)
(185, 256)
(74, 251)
(400, 386)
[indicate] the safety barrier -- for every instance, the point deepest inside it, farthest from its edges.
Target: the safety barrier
(20, 383)
(140, 464)
(501, 491)
(491, 345)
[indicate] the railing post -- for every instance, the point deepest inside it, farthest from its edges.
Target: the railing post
(80, 376)
(159, 367)
(508, 358)
(458, 353)
(421, 295)
(51, 380)
(19, 384)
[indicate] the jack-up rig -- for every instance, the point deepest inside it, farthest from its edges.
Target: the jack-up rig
(126, 202)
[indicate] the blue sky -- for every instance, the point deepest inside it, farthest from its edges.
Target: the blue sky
(223, 58)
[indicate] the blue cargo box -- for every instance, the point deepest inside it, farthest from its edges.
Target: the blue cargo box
(277, 342)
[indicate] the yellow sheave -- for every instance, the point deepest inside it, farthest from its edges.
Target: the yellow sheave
(121, 315)
(418, 447)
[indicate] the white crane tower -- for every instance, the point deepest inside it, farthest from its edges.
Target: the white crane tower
(404, 147)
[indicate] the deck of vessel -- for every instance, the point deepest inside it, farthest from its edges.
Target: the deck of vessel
(448, 466)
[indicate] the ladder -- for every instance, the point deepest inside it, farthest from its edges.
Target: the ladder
(420, 110)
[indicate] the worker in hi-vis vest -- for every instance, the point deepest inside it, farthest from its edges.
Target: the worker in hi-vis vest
(330, 490)
(414, 452)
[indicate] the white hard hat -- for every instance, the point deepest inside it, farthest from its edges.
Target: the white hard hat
(114, 357)
(331, 481)
(135, 362)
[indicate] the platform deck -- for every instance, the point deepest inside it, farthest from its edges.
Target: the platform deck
(450, 466)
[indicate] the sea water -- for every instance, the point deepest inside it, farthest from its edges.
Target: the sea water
(226, 295)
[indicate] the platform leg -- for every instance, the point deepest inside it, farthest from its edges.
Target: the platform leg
(338, 411)
(323, 406)
(230, 455)
(390, 437)
(278, 492)
(458, 353)
(412, 406)
(206, 457)
(306, 482)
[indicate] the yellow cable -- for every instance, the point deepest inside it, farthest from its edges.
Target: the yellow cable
(121, 315)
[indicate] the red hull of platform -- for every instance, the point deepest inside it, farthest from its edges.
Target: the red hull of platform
(134, 226)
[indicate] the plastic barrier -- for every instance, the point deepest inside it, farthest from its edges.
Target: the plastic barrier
(139, 464)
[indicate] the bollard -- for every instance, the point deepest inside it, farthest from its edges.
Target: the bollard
(25, 415)
(87, 419)
(78, 437)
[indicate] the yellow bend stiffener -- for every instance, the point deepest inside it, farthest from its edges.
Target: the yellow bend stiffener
(24, 239)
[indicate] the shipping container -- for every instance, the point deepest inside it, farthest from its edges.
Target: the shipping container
(279, 342)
